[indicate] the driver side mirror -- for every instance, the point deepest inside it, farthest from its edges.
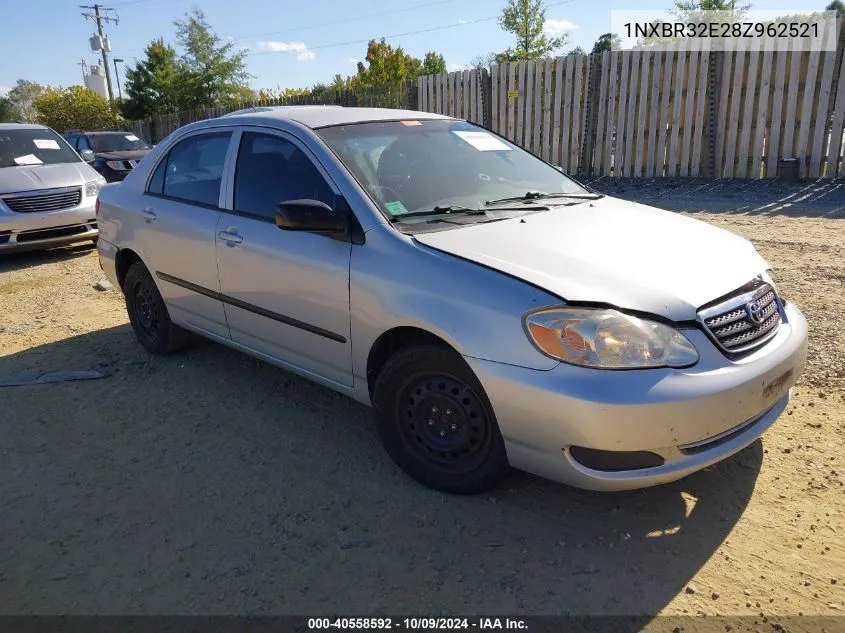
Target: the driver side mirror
(310, 215)
(87, 155)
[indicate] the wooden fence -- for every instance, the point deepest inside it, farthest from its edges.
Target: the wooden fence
(662, 110)
(648, 112)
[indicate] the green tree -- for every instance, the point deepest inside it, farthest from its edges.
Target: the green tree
(433, 64)
(387, 65)
(22, 97)
(74, 108)
(152, 87)
(211, 72)
(607, 42)
(525, 19)
(8, 111)
(838, 6)
(577, 51)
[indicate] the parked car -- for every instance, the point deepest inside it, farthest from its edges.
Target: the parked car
(112, 153)
(490, 309)
(47, 193)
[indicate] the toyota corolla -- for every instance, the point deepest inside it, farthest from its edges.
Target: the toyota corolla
(492, 311)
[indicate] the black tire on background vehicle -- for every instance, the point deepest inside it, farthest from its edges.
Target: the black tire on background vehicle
(436, 422)
(148, 314)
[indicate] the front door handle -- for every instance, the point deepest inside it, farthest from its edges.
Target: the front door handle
(149, 215)
(230, 238)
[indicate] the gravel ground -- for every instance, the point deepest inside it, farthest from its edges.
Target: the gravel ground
(212, 483)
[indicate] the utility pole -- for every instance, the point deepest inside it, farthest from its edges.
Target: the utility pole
(117, 76)
(99, 18)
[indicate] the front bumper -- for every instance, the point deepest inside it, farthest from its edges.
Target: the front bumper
(691, 418)
(35, 231)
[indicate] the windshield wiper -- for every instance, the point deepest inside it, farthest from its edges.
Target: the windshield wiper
(454, 209)
(537, 195)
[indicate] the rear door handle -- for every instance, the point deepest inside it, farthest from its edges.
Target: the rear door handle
(230, 238)
(149, 215)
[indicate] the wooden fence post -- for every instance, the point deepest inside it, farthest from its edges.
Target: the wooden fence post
(713, 89)
(591, 111)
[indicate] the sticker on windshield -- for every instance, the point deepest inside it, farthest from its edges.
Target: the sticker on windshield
(131, 137)
(395, 207)
(45, 143)
(482, 141)
(29, 159)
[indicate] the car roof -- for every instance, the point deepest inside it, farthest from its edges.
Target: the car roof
(22, 126)
(317, 116)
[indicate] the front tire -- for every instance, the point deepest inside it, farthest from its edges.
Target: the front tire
(148, 313)
(436, 422)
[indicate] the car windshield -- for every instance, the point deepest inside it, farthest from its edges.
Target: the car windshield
(122, 142)
(410, 167)
(34, 146)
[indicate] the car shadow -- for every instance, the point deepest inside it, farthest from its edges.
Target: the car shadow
(824, 198)
(209, 482)
(18, 261)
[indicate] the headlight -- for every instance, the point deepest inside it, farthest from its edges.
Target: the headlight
(92, 187)
(607, 339)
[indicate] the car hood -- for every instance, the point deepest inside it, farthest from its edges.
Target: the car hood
(612, 251)
(34, 177)
(135, 154)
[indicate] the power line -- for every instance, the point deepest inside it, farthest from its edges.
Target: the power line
(429, 30)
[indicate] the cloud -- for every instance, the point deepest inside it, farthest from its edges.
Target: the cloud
(462, 21)
(455, 67)
(4, 90)
(283, 47)
(558, 27)
(305, 56)
(352, 60)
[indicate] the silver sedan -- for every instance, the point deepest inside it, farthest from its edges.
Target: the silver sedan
(490, 309)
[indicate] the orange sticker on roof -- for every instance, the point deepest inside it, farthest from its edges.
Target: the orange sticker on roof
(410, 123)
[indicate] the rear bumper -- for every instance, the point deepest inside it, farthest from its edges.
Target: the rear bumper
(690, 418)
(35, 231)
(107, 253)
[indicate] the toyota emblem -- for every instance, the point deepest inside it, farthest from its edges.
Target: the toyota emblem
(755, 312)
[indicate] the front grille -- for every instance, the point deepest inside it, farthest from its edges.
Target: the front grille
(744, 321)
(49, 200)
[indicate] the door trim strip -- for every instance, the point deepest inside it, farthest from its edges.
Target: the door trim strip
(275, 316)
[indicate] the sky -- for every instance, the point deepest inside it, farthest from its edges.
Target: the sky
(293, 44)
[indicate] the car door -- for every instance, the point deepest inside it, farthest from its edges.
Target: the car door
(286, 294)
(179, 217)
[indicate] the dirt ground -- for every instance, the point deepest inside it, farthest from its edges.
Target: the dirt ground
(211, 483)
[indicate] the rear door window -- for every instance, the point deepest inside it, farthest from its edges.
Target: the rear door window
(193, 169)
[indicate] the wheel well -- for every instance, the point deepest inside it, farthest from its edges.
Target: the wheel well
(125, 258)
(393, 340)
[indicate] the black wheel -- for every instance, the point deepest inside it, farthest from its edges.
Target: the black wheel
(148, 314)
(436, 421)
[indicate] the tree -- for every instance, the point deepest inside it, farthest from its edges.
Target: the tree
(388, 66)
(22, 97)
(526, 19)
(152, 87)
(210, 72)
(483, 61)
(8, 111)
(838, 6)
(433, 64)
(607, 42)
(577, 51)
(73, 108)
(685, 8)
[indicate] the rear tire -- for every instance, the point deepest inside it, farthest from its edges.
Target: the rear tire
(437, 423)
(148, 314)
